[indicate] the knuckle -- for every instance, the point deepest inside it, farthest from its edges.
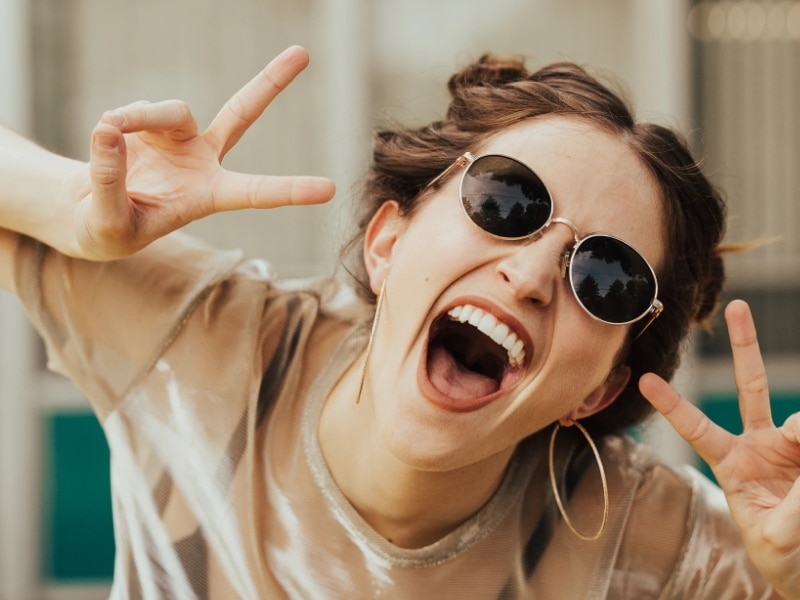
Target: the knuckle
(777, 538)
(755, 385)
(140, 118)
(792, 423)
(181, 110)
(699, 430)
(237, 107)
(266, 75)
(253, 192)
(744, 341)
(110, 228)
(296, 191)
(105, 242)
(106, 174)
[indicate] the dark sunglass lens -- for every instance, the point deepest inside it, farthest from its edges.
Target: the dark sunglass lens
(611, 279)
(504, 197)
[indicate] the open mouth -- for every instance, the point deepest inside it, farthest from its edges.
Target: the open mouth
(472, 357)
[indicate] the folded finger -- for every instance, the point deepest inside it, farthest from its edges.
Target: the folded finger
(707, 438)
(168, 116)
(248, 103)
(236, 191)
(133, 104)
(791, 428)
(783, 526)
(748, 367)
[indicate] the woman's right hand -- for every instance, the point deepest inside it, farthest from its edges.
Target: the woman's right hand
(151, 172)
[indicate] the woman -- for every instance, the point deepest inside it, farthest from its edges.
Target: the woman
(537, 259)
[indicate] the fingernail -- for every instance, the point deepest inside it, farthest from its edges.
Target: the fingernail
(108, 142)
(113, 118)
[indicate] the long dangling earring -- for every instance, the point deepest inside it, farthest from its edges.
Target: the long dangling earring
(556, 494)
(365, 364)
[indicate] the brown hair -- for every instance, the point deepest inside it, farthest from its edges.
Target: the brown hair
(495, 93)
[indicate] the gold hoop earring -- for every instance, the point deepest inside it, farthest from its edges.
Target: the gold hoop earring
(556, 494)
(365, 364)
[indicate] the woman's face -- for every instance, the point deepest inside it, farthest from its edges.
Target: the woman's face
(433, 412)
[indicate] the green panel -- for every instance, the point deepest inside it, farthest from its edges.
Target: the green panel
(723, 409)
(78, 541)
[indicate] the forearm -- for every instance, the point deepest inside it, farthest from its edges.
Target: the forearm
(37, 191)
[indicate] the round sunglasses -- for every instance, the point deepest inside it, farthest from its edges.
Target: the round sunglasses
(610, 279)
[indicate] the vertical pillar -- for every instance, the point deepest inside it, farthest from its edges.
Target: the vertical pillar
(663, 92)
(662, 60)
(19, 431)
(346, 28)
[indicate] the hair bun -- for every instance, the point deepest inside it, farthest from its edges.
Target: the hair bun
(489, 71)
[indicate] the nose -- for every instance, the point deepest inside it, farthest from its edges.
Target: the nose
(534, 269)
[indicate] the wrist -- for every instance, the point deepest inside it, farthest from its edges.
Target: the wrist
(40, 193)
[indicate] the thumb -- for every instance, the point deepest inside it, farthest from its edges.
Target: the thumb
(107, 164)
(107, 215)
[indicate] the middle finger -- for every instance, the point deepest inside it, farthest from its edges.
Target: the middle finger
(246, 105)
(748, 367)
(168, 116)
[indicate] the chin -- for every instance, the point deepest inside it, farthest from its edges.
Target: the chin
(423, 442)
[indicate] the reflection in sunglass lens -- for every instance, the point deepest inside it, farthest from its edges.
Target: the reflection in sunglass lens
(611, 279)
(504, 197)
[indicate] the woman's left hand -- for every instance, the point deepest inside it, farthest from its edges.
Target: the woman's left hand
(759, 470)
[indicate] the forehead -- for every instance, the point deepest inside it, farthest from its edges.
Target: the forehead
(596, 179)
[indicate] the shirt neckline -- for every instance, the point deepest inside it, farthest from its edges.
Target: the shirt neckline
(355, 527)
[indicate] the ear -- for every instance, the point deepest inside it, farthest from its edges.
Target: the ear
(602, 396)
(380, 237)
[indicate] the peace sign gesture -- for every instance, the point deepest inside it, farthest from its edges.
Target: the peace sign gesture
(759, 470)
(151, 172)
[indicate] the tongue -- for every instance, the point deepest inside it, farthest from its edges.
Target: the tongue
(453, 379)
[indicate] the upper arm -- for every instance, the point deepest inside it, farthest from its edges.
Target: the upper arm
(8, 244)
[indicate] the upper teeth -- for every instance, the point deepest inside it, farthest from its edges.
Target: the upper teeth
(498, 332)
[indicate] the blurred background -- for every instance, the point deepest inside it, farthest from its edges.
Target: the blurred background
(725, 72)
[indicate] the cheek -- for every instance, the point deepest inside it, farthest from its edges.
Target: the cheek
(439, 246)
(589, 360)
(589, 353)
(579, 360)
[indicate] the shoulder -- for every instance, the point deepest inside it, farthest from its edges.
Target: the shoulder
(661, 519)
(222, 284)
(668, 499)
(334, 298)
(680, 540)
(662, 510)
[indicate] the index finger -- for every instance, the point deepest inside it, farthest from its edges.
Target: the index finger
(711, 442)
(172, 117)
(748, 367)
(246, 105)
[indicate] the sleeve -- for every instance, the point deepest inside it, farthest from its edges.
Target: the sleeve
(713, 563)
(105, 323)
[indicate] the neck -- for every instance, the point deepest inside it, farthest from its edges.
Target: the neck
(409, 507)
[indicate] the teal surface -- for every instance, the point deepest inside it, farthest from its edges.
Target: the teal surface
(77, 532)
(78, 542)
(723, 409)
